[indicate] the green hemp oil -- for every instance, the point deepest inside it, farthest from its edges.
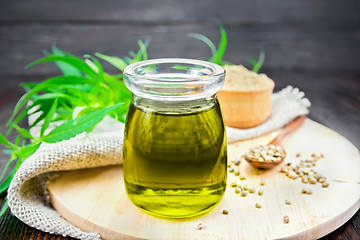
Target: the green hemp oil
(175, 157)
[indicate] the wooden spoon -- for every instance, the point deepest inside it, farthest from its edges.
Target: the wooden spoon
(290, 127)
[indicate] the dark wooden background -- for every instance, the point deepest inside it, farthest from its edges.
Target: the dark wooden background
(313, 45)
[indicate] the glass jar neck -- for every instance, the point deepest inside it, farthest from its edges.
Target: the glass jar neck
(174, 79)
(174, 107)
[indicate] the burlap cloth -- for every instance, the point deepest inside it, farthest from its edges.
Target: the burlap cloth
(27, 195)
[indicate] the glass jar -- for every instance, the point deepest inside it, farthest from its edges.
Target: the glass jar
(175, 149)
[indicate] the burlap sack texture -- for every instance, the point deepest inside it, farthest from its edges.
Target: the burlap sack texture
(27, 195)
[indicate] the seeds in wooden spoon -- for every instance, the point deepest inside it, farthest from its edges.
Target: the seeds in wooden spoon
(268, 153)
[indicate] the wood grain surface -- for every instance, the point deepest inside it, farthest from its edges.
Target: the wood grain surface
(313, 45)
(95, 199)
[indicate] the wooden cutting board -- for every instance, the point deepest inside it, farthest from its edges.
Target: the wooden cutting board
(95, 199)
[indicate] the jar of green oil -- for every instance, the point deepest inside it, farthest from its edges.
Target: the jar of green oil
(175, 149)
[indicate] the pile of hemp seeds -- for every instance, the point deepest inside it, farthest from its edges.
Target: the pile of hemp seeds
(303, 170)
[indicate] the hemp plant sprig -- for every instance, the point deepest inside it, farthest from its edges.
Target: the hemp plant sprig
(75, 101)
(219, 52)
(256, 65)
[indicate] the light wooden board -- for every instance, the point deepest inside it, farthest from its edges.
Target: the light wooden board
(95, 199)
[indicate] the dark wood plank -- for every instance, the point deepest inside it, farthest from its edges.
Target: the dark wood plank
(313, 45)
(308, 48)
(334, 96)
(13, 229)
(349, 231)
(235, 11)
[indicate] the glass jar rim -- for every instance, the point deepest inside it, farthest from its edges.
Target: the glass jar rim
(130, 69)
(174, 79)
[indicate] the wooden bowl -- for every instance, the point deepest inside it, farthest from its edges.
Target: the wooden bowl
(246, 109)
